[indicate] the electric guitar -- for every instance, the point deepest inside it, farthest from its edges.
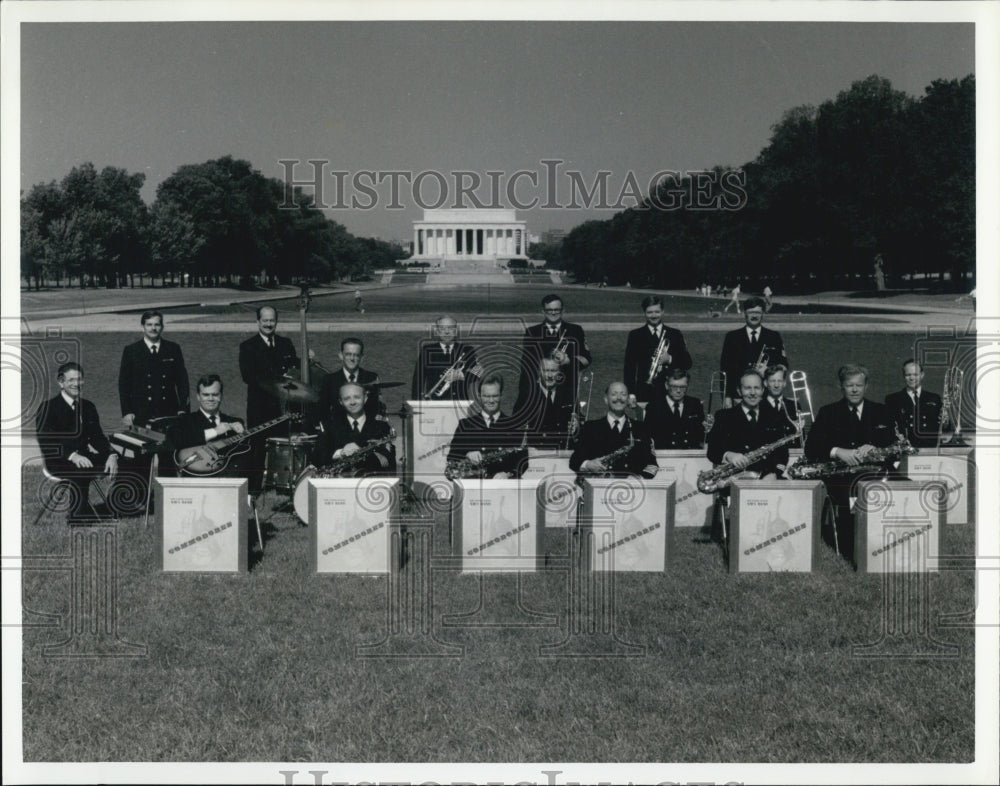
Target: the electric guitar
(213, 457)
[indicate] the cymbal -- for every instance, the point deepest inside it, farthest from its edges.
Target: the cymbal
(290, 390)
(382, 384)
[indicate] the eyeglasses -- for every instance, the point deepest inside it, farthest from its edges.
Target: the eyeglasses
(553, 311)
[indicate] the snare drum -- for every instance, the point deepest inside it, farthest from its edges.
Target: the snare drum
(285, 459)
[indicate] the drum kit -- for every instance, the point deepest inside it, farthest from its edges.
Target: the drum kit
(287, 466)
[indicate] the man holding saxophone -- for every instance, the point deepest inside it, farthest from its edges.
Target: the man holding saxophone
(751, 346)
(614, 444)
(353, 437)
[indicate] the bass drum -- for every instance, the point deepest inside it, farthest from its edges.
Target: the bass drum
(300, 496)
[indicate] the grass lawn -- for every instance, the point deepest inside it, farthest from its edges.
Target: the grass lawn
(264, 667)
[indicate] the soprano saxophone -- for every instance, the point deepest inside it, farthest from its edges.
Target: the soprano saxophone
(873, 462)
(711, 480)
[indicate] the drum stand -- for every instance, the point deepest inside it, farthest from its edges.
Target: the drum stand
(154, 465)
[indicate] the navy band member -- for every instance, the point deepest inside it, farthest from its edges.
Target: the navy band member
(152, 379)
(352, 352)
(848, 430)
(742, 348)
(642, 343)
(487, 431)
(554, 338)
(545, 409)
(445, 357)
(917, 412)
(349, 429)
(208, 422)
(265, 357)
(774, 387)
(72, 442)
(675, 420)
(602, 437)
(746, 427)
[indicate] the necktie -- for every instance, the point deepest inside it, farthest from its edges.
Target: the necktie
(618, 427)
(753, 337)
(72, 405)
(355, 428)
(489, 421)
(154, 348)
(774, 402)
(352, 377)
(214, 420)
(753, 416)
(677, 408)
(552, 397)
(855, 411)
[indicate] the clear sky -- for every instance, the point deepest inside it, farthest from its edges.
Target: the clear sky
(446, 96)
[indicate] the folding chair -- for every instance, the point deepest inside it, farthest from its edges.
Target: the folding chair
(61, 493)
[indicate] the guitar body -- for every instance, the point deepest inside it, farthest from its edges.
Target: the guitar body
(204, 461)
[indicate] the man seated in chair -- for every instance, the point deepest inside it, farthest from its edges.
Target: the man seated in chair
(351, 431)
(73, 445)
(479, 438)
(614, 444)
(208, 423)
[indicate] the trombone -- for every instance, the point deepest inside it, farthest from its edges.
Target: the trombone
(716, 385)
(800, 389)
(580, 407)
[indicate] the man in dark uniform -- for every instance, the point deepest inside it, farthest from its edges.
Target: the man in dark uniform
(774, 387)
(264, 358)
(350, 429)
(917, 412)
(848, 430)
(675, 420)
(545, 409)
(604, 436)
(489, 430)
(352, 351)
(746, 427)
(72, 442)
(641, 345)
(152, 383)
(553, 338)
(445, 357)
(742, 348)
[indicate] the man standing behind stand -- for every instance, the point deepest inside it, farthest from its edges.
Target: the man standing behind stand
(563, 342)
(446, 369)
(352, 351)
(641, 346)
(152, 383)
(264, 358)
(479, 436)
(742, 348)
(917, 412)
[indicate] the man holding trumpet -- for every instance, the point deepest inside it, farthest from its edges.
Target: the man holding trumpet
(751, 346)
(555, 339)
(652, 352)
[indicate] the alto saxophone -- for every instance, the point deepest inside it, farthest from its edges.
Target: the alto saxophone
(347, 464)
(711, 480)
(873, 461)
(612, 458)
(463, 468)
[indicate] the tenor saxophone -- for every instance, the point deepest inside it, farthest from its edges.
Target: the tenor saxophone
(873, 462)
(347, 464)
(463, 468)
(711, 480)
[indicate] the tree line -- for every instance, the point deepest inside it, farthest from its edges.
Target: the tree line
(871, 180)
(211, 224)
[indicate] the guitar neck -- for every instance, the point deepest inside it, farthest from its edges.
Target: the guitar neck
(228, 442)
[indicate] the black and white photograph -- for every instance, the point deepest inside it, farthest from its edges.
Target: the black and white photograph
(434, 392)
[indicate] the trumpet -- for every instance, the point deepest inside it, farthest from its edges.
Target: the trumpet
(443, 385)
(763, 359)
(561, 346)
(349, 464)
(951, 406)
(717, 384)
(654, 363)
(710, 480)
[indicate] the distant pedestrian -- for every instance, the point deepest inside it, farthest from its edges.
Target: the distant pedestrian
(734, 300)
(767, 298)
(359, 302)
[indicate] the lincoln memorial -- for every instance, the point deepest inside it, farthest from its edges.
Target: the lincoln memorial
(469, 238)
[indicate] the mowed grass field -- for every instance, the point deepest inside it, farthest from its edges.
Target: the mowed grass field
(264, 667)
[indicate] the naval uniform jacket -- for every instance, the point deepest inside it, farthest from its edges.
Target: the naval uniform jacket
(545, 421)
(920, 422)
(329, 397)
(670, 432)
(538, 343)
(338, 431)
(732, 432)
(472, 434)
(738, 354)
(639, 354)
(598, 439)
(152, 386)
(433, 362)
(260, 363)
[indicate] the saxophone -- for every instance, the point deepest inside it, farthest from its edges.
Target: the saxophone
(463, 468)
(346, 465)
(612, 458)
(711, 480)
(873, 462)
